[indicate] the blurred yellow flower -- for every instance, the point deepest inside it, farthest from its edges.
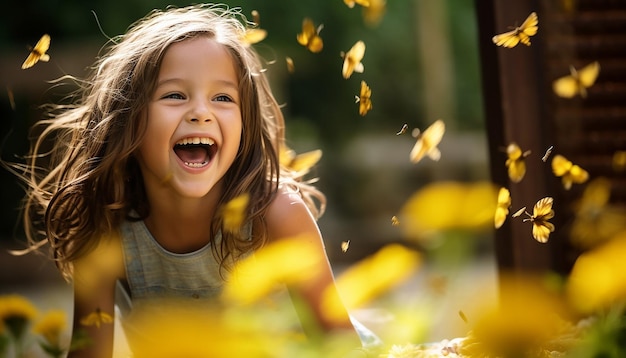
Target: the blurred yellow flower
(178, 330)
(598, 278)
(526, 317)
(371, 277)
(289, 260)
(16, 312)
(51, 326)
(443, 206)
(619, 160)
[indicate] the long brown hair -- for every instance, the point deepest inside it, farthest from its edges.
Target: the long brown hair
(89, 181)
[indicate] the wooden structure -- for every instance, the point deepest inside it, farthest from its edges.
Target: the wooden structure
(520, 106)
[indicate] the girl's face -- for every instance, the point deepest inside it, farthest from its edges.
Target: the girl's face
(194, 120)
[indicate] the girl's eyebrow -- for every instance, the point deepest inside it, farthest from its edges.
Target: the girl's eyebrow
(226, 83)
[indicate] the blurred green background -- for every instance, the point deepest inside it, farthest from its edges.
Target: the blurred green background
(421, 63)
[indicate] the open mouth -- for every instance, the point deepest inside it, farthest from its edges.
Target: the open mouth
(195, 152)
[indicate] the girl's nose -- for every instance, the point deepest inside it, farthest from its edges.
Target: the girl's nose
(200, 112)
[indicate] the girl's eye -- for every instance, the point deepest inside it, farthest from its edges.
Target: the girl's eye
(173, 96)
(223, 98)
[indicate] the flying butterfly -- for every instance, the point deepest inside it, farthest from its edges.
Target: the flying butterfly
(234, 212)
(373, 14)
(291, 68)
(256, 34)
(395, 221)
(577, 81)
(38, 53)
(345, 245)
(352, 59)
(502, 207)
(96, 318)
(351, 3)
(310, 36)
(427, 142)
(516, 162)
(547, 154)
(542, 212)
(570, 173)
(364, 99)
(520, 34)
(403, 130)
(300, 163)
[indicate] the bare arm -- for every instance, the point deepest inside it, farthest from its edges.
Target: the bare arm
(288, 217)
(94, 281)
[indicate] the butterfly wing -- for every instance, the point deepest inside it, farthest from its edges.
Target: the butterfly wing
(502, 208)
(566, 86)
(252, 36)
(542, 230)
(560, 165)
(588, 74)
(352, 59)
(529, 26)
(432, 137)
(365, 102)
(38, 53)
(507, 39)
(302, 163)
(543, 209)
(309, 36)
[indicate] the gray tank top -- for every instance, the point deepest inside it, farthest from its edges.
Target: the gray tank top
(154, 272)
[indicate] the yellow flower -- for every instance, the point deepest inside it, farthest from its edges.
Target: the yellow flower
(598, 277)
(286, 261)
(443, 206)
(16, 312)
(526, 317)
(51, 326)
(371, 277)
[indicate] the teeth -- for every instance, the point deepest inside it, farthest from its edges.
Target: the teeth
(195, 140)
(196, 165)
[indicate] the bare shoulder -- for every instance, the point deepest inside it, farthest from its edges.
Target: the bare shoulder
(288, 216)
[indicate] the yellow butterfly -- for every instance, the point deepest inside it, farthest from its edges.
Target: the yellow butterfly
(502, 207)
(96, 318)
(547, 154)
(373, 14)
(519, 34)
(570, 173)
(427, 142)
(299, 164)
(234, 212)
(516, 162)
(309, 37)
(403, 130)
(345, 245)
(352, 59)
(38, 53)
(395, 221)
(256, 34)
(542, 212)
(364, 99)
(351, 3)
(576, 82)
(290, 66)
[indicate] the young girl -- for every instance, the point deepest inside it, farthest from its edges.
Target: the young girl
(176, 120)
